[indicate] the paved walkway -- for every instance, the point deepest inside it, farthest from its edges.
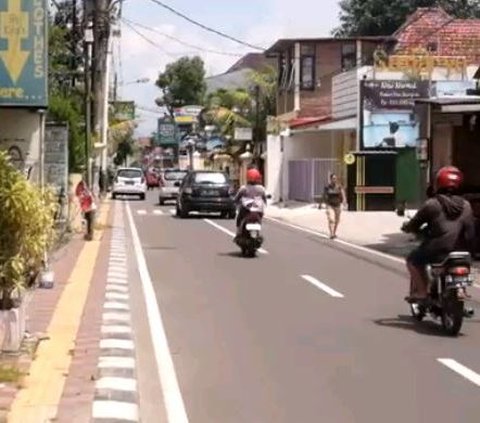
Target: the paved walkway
(376, 230)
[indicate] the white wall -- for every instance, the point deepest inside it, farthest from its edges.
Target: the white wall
(274, 167)
(21, 128)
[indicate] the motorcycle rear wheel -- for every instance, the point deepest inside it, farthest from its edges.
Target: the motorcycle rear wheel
(452, 315)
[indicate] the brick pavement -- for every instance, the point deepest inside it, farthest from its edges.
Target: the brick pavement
(39, 313)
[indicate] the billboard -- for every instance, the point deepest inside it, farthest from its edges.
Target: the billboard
(56, 156)
(23, 53)
(122, 111)
(388, 118)
(166, 133)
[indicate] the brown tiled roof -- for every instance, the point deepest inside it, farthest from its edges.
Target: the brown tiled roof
(254, 61)
(453, 37)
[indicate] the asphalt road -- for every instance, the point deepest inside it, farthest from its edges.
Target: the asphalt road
(309, 331)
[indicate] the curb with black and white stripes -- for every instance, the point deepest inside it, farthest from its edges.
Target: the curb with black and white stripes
(116, 393)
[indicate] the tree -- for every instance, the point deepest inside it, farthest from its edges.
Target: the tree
(182, 83)
(380, 17)
(66, 101)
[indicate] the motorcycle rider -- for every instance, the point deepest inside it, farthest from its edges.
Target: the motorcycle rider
(450, 227)
(252, 190)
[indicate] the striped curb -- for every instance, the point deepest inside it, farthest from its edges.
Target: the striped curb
(116, 389)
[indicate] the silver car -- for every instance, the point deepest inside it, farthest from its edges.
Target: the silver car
(170, 181)
(129, 181)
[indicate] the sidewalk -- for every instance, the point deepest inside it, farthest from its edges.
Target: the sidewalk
(376, 230)
(54, 316)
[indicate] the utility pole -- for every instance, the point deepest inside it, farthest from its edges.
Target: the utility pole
(74, 41)
(256, 144)
(88, 40)
(101, 32)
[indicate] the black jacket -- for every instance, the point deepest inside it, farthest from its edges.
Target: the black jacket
(450, 225)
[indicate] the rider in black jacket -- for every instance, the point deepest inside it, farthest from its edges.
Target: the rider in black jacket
(449, 224)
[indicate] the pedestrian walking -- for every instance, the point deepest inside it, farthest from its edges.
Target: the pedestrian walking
(334, 198)
(88, 206)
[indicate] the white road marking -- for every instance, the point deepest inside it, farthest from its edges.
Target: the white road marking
(322, 286)
(339, 241)
(117, 344)
(115, 410)
(117, 275)
(116, 317)
(141, 212)
(117, 288)
(116, 329)
(461, 370)
(116, 306)
(117, 280)
(228, 232)
(118, 255)
(116, 363)
(117, 384)
(158, 212)
(118, 268)
(116, 296)
(175, 407)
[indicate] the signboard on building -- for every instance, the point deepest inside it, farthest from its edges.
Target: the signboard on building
(56, 156)
(23, 53)
(243, 134)
(388, 119)
(166, 134)
(122, 110)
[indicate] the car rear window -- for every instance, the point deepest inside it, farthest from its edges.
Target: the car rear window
(173, 175)
(210, 178)
(129, 173)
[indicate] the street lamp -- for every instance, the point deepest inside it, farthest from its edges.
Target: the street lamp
(137, 81)
(88, 104)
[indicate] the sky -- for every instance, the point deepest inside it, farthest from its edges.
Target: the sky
(259, 22)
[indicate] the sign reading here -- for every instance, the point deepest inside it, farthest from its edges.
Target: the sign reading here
(23, 53)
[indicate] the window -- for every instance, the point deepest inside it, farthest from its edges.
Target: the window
(307, 67)
(172, 175)
(210, 178)
(349, 56)
(130, 173)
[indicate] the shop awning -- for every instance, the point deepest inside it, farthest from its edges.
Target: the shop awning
(453, 104)
(327, 125)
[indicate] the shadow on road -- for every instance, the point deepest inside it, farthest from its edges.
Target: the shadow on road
(236, 254)
(427, 327)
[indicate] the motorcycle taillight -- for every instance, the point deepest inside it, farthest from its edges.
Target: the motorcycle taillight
(459, 271)
(254, 217)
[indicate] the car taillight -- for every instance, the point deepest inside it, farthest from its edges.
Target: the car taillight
(459, 271)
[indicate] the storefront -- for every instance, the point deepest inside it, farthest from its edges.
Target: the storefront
(450, 135)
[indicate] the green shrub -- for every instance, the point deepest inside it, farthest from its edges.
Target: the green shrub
(26, 230)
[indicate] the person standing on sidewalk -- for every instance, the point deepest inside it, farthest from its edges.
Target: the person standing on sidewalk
(334, 198)
(88, 206)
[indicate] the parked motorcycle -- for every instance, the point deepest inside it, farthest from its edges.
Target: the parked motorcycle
(448, 283)
(250, 239)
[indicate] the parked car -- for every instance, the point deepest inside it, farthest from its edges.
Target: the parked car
(170, 181)
(206, 191)
(129, 181)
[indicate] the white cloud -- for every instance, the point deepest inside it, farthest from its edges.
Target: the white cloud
(302, 18)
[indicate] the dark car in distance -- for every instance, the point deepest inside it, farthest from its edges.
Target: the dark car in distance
(206, 191)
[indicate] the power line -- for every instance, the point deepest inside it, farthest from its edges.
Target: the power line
(223, 53)
(148, 40)
(206, 28)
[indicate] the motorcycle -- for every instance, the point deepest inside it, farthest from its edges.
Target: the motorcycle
(448, 283)
(250, 239)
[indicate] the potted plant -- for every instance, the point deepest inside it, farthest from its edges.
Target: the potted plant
(26, 234)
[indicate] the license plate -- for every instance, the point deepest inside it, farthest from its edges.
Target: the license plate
(254, 227)
(129, 182)
(209, 192)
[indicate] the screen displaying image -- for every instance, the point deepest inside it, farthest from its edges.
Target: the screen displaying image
(390, 130)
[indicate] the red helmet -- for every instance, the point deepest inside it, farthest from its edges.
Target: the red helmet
(449, 177)
(254, 176)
